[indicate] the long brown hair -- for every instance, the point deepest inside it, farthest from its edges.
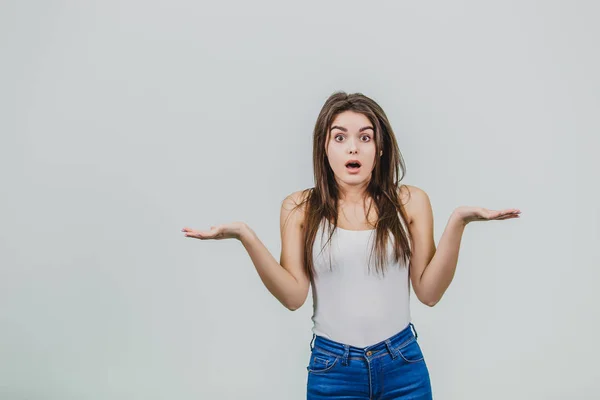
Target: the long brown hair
(383, 188)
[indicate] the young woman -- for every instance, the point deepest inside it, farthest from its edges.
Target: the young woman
(364, 345)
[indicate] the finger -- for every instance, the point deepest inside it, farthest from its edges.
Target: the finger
(512, 211)
(186, 229)
(198, 235)
(193, 231)
(510, 216)
(500, 215)
(489, 214)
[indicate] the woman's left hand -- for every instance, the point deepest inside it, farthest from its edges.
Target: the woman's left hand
(470, 214)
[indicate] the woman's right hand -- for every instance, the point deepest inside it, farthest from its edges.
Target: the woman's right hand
(231, 230)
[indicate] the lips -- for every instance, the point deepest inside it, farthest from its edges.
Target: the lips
(353, 166)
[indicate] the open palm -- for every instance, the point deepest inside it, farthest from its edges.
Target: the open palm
(470, 214)
(223, 231)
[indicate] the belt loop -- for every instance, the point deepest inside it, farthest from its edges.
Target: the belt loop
(345, 356)
(388, 344)
(312, 341)
(414, 329)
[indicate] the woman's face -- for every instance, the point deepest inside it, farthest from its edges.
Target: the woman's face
(351, 136)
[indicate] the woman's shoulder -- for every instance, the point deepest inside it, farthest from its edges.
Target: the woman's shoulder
(294, 206)
(298, 198)
(296, 201)
(408, 191)
(411, 197)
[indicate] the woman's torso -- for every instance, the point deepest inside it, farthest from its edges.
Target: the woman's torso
(352, 303)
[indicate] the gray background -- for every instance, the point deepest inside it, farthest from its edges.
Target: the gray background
(124, 121)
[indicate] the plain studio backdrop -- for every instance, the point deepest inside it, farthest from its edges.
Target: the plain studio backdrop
(124, 121)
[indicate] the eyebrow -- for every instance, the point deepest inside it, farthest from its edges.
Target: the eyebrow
(346, 130)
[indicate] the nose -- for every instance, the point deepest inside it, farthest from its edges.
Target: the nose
(352, 149)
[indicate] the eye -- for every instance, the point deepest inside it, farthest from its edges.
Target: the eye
(337, 136)
(368, 137)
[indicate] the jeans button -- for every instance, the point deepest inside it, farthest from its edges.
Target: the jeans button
(369, 353)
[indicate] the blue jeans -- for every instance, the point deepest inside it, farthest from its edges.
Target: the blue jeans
(391, 369)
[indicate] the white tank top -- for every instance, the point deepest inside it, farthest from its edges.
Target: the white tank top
(351, 304)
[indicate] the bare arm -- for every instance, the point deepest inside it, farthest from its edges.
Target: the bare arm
(286, 280)
(433, 270)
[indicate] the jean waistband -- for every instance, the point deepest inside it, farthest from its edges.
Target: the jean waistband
(345, 350)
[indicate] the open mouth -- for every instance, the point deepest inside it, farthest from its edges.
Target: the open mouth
(353, 165)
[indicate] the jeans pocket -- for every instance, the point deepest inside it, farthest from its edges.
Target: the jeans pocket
(410, 351)
(320, 361)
